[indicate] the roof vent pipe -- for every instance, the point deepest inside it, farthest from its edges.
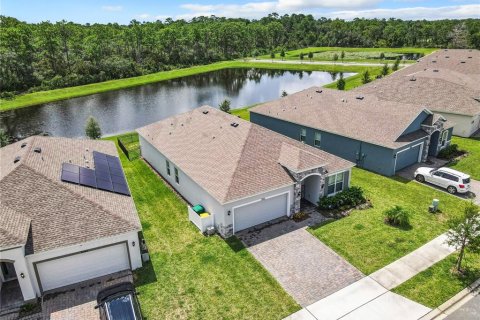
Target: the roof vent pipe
(17, 158)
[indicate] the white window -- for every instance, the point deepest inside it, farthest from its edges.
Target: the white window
(303, 135)
(168, 166)
(443, 138)
(318, 138)
(177, 180)
(335, 183)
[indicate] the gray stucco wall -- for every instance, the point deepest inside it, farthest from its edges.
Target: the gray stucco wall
(375, 158)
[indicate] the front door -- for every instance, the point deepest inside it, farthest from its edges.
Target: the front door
(8, 271)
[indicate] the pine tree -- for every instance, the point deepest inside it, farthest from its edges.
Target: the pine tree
(92, 129)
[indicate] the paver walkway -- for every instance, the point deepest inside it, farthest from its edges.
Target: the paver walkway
(305, 267)
(370, 298)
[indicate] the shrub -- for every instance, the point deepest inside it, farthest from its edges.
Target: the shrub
(397, 216)
(450, 152)
(344, 200)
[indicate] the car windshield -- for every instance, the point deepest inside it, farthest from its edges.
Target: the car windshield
(120, 308)
(467, 180)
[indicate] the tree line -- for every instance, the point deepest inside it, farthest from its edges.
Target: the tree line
(47, 55)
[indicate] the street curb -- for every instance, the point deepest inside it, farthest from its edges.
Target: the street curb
(445, 309)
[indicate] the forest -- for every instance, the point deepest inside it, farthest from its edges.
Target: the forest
(43, 56)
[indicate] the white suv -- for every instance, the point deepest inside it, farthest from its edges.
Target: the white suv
(452, 180)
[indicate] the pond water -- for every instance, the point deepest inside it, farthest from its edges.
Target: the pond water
(127, 109)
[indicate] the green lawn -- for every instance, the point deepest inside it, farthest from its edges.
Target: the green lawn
(243, 113)
(192, 276)
(367, 242)
(437, 284)
(71, 92)
(471, 163)
(351, 54)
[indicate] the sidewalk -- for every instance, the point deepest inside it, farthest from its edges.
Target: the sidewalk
(370, 297)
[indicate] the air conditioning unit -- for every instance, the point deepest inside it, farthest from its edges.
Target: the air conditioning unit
(210, 231)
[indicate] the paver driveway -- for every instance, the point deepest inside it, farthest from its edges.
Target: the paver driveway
(305, 267)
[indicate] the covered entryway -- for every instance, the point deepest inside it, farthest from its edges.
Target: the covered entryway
(433, 148)
(259, 211)
(312, 188)
(408, 156)
(62, 271)
(10, 291)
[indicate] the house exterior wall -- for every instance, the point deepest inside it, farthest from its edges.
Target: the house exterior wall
(364, 154)
(346, 181)
(130, 237)
(195, 194)
(465, 126)
(17, 255)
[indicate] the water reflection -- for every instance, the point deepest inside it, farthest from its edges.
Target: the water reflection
(128, 109)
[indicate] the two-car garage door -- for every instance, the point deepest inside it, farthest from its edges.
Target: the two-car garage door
(82, 266)
(260, 211)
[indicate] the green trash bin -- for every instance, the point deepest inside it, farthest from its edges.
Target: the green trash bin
(198, 209)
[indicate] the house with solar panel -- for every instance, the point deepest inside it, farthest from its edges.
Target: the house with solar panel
(66, 215)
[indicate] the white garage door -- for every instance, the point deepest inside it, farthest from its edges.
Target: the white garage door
(82, 266)
(260, 211)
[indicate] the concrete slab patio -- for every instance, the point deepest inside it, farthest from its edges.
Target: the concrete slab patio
(305, 267)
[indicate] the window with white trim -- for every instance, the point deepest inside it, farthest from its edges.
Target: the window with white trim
(168, 166)
(335, 183)
(177, 179)
(303, 135)
(318, 138)
(443, 138)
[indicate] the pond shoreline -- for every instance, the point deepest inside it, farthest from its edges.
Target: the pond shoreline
(42, 97)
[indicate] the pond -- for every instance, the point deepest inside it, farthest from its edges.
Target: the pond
(127, 109)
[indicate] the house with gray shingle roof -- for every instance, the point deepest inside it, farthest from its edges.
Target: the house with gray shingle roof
(379, 135)
(52, 232)
(446, 82)
(241, 174)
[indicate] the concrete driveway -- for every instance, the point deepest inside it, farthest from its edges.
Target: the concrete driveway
(305, 267)
(408, 172)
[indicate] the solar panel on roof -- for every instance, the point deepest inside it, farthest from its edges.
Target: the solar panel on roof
(116, 172)
(87, 172)
(68, 176)
(118, 180)
(70, 167)
(103, 174)
(121, 188)
(104, 184)
(89, 181)
(115, 165)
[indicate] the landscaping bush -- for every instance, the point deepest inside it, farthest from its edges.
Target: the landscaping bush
(397, 216)
(450, 152)
(344, 200)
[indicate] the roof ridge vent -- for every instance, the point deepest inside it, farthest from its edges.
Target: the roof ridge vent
(17, 158)
(463, 61)
(359, 97)
(37, 150)
(318, 91)
(436, 70)
(234, 124)
(205, 111)
(23, 145)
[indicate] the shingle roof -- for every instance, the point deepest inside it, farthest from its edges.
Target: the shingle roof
(367, 119)
(441, 84)
(229, 162)
(61, 213)
(14, 227)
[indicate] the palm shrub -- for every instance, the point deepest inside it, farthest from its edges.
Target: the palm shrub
(397, 216)
(225, 106)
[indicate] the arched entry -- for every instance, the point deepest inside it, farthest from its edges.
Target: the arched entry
(312, 188)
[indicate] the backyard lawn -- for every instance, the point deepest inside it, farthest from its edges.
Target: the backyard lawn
(192, 276)
(471, 163)
(437, 284)
(367, 242)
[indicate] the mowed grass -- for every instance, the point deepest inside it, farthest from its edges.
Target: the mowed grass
(437, 284)
(367, 242)
(355, 53)
(192, 276)
(41, 97)
(471, 163)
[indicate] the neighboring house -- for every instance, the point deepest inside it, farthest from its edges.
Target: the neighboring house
(381, 136)
(446, 82)
(55, 233)
(239, 172)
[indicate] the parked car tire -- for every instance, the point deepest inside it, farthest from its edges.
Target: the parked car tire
(420, 178)
(452, 190)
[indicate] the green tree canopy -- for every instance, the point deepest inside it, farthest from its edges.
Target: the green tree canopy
(92, 129)
(225, 106)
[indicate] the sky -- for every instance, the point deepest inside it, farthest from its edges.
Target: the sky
(123, 11)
